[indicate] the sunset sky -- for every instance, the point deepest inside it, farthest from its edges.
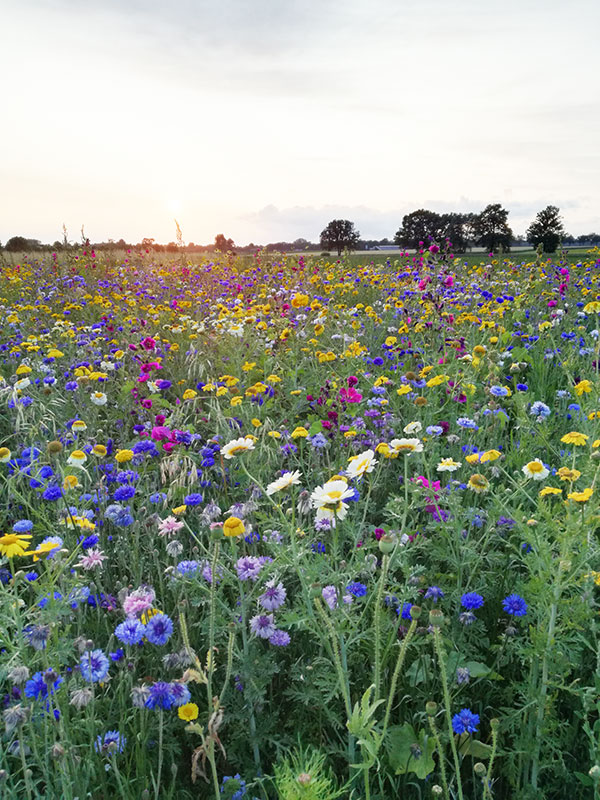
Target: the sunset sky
(264, 119)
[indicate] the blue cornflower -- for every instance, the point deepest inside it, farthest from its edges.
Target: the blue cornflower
(279, 638)
(522, 387)
(465, 721)
(193, 499)
(499, 391)
(52, 493)
(317, 547)
(188, 567)
(131, 631)
(471, 600)
(357, 589)
(160, 696)
(117, 655)
(404, 613)
(112, 742)
(539, 410)
(159, 629)
(42, 683)
(434, 430)
(515, 605)
(89, 541)
(465, 422)
(22, 526)
(124, 493)
(318, 441)
(180, 694)
(157, 497)
(434, 593)
(94, 666)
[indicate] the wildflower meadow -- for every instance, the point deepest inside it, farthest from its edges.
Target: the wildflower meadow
(297, 527)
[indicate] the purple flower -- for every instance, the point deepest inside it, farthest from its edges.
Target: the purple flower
(273, 597)
(330, 596)
(94, 666)
(471, 600)
(180, 694)
(160, 696)
(357, 589)
(515, 605)
(159, 629)
(262, 625)
(434, 593)
(279, 638)
(130, 632)
(248, 568)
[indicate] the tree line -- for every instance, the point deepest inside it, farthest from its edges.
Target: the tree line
(488, 229)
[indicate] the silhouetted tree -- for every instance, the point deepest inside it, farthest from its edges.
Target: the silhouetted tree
(419, 226)
(546, 229)
(339, 234)
(17, 244)
(492, 229)
(223, 245)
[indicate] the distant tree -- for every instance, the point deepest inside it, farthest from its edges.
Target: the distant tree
(339, 234)
(147, 243)
(458, 230)
(419, 226)
(546, 229)
(491, 228)
(17, 244)
(223, 245)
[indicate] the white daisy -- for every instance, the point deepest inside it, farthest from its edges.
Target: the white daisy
(360, 464)
(287, 479)
(237, 446)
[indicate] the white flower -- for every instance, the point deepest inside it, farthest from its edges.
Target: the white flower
(448, 465)
(329, 500)
(22, 384)
(237, 446)
(287, 479)
(413, 427)
(236, 330)
(98, 398)
(360, 464)
(535, 469)
(405, 446)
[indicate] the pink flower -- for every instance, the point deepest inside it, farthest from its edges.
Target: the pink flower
(92, 559)
(148, 343)
(139, 601)
(169, 526)
(349, 395)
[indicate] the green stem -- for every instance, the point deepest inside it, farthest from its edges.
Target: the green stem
(160, 755)
(397, 668)
(377, 625)
(439, 649)
(438, 743)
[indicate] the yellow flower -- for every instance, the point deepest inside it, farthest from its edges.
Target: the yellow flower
(299, 433)
(478, 483)
(349, 434)
(403, 390)
(300, 300)
(189, 394)
(581, 497)
(274, 434)
(233, 526)
(439, 379)
(179, 510)
(256, 422)
(473, 458)
(550, 490)
(319, 329)
(248, 365)
(221, 391)
(384, 449)
(490, 455)
(479, 350)
(99, 450)
(188, 712)
(54, 353)
(390, 341)
(70, 482)
(296, 391)
(573, 437)
(273, 378)
(14, 544)
(123, 455)
(78, 425)
(592, 308)
(4, 455)
(582, 386)
(77, 458)
(235, 401)
(567, 474)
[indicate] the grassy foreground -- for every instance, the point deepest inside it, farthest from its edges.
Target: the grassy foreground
(296, 528)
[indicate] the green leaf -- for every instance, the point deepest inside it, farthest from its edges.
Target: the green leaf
(419, 670)
(409, 751)
(468, 746)
(316, 427)
(127, 387)
(585, 779)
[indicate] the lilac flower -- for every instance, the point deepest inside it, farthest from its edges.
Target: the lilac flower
(160, 696)
(262, 625)
(330, 596)
(248, 568)
(434, 593)
(279, 638)
(273, 597)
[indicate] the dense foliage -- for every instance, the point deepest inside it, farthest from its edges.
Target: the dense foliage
(297, 529)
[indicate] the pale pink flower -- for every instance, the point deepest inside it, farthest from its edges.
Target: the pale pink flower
(139, 601)
(92, 559)
(169, 526)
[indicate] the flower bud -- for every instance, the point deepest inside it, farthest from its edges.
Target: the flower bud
(594, 772)
(54, 448)
(437, 790)
(387, 543)
(420, 401)
(494, 724)
(58, 750)
(304, 779)
(431, 708)
(415, 612)
(436, 618)
(315, 590)
(479, 769)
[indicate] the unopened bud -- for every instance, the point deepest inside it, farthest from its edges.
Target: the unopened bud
(54, 448)
(415, 612)
(387, 543)
(58, 750)
(437, 790)
(479, 769)
(304, 779)
(315, 590)
(594, 772)
(494, 724)
(436, 618)
(431, 708)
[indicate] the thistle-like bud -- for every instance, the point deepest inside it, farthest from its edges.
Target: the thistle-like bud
(479, 769)
(57, 751)
(415, 612)
(494, 724)
(431, 708)
(54, 448)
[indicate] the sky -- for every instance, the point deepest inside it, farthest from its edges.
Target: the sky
(265, 119)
